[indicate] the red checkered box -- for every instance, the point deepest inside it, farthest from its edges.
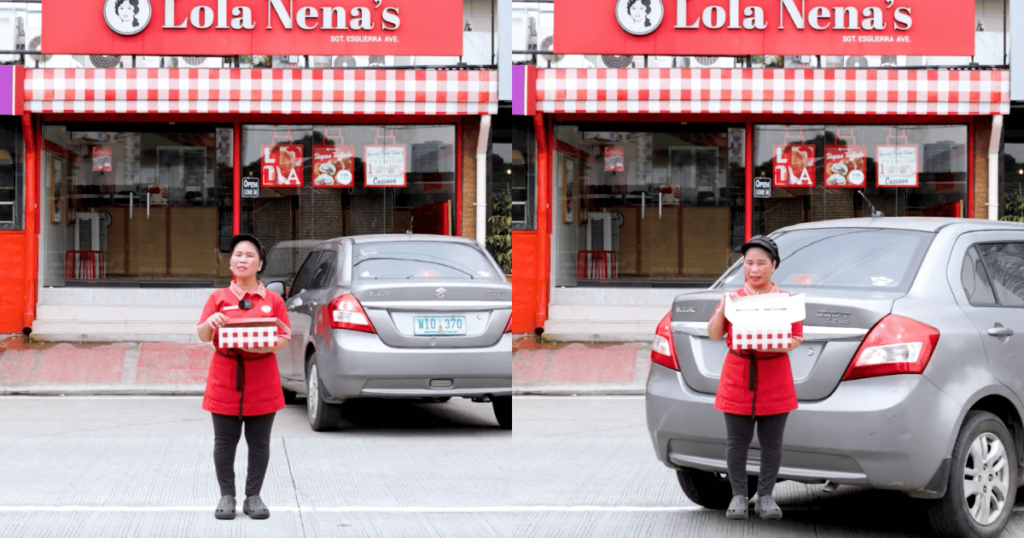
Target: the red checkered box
(762, 338)
(248, 333)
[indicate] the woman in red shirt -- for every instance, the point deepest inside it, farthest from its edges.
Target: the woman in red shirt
(243, 387)
(756, 388)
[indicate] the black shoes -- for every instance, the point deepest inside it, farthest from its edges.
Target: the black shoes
(225, 508)
(254, 508)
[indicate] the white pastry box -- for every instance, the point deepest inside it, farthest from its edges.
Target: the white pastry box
(764, 322)
(248, 333)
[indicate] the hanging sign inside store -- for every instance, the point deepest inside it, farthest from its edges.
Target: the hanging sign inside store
(846, 167)
(385, 165)
(757, 27)
(102, 159)
(333, 167)
(762, 187)
(244, 27)
(250, 187)
(897, 166)
(613, 160)
(281, 165)
(793, 165)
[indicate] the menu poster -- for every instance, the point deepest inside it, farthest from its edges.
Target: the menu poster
(281, 165)
(793, 165)
(897, 166)
(333, 167)
(102, 159)
(845, 167)
(613, 159)
(385, 165)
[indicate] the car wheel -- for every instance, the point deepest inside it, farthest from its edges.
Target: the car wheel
(710, 490)
(982, 480)
(290, 396)
(323, 416)
(503, 411)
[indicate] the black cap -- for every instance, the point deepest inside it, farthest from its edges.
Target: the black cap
(252, 239)
(765, 243)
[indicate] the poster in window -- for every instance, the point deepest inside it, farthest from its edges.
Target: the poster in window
(582, 206)
(793, 165)
(897, 166)
(613, 159)
(56, 190)
(102, 159)
(70, 197)
(568, 190)
(281, 165)
(846, 167)
(385, 165)
(333, 167)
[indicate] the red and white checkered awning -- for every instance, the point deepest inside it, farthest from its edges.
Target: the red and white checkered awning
(262, 91)
(774, 91)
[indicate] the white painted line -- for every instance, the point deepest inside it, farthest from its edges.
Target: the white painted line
(363, 509)
(101, 397)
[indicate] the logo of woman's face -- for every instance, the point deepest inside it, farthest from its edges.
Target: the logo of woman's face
(126, 12)
(639, 17)
(638, 11)
(287, 161)
(127, 17)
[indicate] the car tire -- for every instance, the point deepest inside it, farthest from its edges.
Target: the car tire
(323, 416)
(710, 490)
(954, 515)
(503, 411)
(290, 396)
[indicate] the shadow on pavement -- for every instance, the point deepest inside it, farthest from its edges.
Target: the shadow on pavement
(386, 416)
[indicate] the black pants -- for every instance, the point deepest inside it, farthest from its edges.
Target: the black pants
(740, 432)
(227, 430)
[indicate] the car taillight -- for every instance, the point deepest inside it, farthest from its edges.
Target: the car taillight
(895, 345)
(347, 313)
(663, 351)
(508, 326)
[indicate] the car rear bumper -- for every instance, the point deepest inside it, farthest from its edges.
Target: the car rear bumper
(889, 432)
(359, 365)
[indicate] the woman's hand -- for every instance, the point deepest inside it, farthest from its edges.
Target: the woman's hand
(212, 323)
(716, 325)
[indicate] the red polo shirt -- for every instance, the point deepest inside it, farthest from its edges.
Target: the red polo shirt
(261, 389)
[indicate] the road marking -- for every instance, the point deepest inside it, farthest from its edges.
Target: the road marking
(100, 397)
(364, 509)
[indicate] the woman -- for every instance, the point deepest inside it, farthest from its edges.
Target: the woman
(639, 10)
(756, 388)
(243, 387)
(128, 11)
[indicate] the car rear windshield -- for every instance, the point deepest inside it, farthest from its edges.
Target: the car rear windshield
(421, 260)
(851, 258)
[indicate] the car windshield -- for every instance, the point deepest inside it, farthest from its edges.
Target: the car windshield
(852, 258)
(421, 259)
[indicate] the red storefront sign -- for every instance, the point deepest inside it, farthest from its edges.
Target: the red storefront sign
(793, 165)
(846, 167)
(230, 27)
(754, 27)
(334, 166)
(281, 165)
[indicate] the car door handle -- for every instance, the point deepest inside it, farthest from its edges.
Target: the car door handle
(1000, 330)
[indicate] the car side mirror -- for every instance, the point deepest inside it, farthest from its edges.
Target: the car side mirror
(276, 287)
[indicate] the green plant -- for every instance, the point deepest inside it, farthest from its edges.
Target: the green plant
(499, 228)
(1013, 205)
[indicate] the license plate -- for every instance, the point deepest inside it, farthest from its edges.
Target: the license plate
(439, 325)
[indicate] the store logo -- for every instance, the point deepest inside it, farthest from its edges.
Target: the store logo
(127, 17)
(828, 17)
(639, 17)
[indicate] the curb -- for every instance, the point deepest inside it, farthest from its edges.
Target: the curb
(103, 390)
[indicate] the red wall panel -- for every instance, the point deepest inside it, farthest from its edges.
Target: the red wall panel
(525, 267)
(12, 282)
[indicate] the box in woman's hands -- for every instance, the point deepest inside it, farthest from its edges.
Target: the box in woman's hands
(764, 322)
(248, 333)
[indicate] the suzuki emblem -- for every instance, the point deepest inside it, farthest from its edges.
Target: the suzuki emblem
(440, 293)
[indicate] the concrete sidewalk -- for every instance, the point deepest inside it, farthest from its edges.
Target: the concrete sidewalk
(572, 368)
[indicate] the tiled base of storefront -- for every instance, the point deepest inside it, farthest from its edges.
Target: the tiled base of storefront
(607, 314)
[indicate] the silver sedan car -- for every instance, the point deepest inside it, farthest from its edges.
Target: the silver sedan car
(910, 376)
(398, 316)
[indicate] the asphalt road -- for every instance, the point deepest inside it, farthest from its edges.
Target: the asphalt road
(142, 466)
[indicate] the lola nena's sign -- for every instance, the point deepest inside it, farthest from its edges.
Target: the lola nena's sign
(266, 27)
(753, 27)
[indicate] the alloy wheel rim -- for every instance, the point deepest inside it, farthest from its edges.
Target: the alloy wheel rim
(313, 399)
(986, 479)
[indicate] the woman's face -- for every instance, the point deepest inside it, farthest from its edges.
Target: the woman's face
(126, 12)
(287, 161)
(637, 11)
(245, 260)
(757, 267)
(799, 161)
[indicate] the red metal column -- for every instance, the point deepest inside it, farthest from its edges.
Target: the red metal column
(31, 218)
(236, 174)
(748, 196)
(543, 218)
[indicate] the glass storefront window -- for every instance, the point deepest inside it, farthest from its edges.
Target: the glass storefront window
(145, 206)
(12, 175)
(837, 161)
(513, 165)
(291, 218)
(647, 205)
(1011, 184)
